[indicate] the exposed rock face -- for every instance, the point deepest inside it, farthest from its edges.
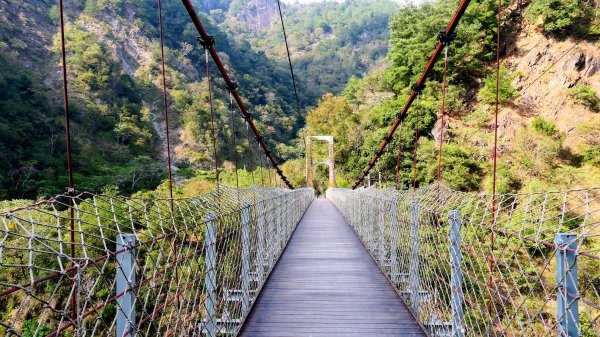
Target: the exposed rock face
(257, 14)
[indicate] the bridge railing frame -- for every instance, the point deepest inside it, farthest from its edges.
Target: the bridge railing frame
(143, 267)
(437, 250)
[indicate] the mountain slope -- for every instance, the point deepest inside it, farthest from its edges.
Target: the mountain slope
(549, 123)
(115, 84)
(329, 42)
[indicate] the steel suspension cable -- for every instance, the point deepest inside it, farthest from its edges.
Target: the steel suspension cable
(444, 86)
(387, 169)
(165, 109)
(398, 158)
(495, 158)
(212, 118)
(69, 157)
(287, 48)
(261, 170)
(235, 161)
(440, 153)
(251, 153)
(166, 115)
(209, 43)
(428, 68)
(416, 143)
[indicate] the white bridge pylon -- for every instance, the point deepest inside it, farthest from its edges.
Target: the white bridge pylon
(309, 162)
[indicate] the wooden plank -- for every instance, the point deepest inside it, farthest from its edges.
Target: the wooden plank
(326, 284)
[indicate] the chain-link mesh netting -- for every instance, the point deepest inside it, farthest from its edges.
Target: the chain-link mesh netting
(149, 267)
(435, 243)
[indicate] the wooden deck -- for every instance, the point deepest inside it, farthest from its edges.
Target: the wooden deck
(327, 284)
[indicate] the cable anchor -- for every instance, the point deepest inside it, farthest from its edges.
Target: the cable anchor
(418, 89)
(444, 38)
(207, 43)
(231, 87)
(248, 117)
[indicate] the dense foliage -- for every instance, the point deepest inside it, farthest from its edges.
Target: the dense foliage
(31, 142)
(560, 16)
(337, 49)
(116, 110)
(329, 41)
(537, 157)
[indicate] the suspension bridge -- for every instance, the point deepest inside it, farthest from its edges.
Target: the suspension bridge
(275, 261)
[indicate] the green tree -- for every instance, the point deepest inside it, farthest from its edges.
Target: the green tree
(334, 116)
(506, 92)
(555, 16)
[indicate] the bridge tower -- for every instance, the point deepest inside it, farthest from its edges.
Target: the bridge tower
(330, 162)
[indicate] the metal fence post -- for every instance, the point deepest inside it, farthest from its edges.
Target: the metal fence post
(413, 285)
(394, 243)
(280, 228)
(381, 231)
(371, 221)
(260, 250)
(210, 279)
(456, 276)
(245, 256)
(566, 279)
(271, 235)
(126, 325)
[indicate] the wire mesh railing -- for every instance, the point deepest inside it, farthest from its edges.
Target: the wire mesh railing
(534, 272)
(144, 267)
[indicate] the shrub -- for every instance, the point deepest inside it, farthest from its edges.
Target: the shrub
(479, 118)
(506, 92)
(506, 180)
(32, 328)
(543, 126)
(555, 16)
(584, 94)
(537, 152)
(591, 155)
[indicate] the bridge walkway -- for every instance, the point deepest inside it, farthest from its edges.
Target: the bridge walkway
(327, 284)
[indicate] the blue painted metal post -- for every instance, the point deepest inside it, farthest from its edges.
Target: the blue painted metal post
(566, 279)
(394, 243)
(125, 285)
(210, 280)
(245, 256)
(260, 251)
(413, 273)
(456, 275)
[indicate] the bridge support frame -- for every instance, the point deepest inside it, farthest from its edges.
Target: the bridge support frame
(331, 179)
(568, 289)
(413, 273)
(126, 322)
(210, 280)
(456, 277)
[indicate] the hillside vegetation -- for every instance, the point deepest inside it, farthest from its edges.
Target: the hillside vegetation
(351, 86)
(549, 84)
(115, 86)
